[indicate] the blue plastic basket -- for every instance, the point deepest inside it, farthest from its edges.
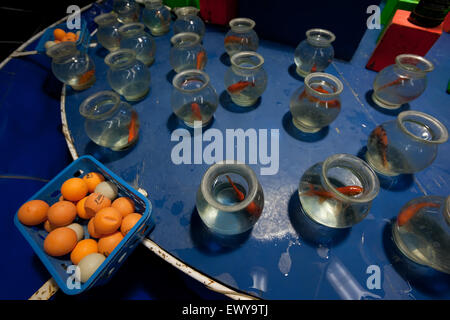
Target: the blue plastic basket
(59, 266)
(82, 42)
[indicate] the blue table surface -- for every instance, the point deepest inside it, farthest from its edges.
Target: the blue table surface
(285, 256)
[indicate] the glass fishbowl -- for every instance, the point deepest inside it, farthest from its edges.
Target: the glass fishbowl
(187, 52)
(71, 66)
(315, 53)
(188, 21)
(317, 103)
(338, 192)
(193, 100)
(127, 10)
(406, 145)
(230, 199)
(126, 75)
(133, 36)
(241, 36)
(422, 231)
(246, 79)
(110, 122)
(108, 30)
(156, 17)
(401, 82)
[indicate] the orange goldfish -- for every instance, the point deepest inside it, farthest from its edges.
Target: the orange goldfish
(196, 111)
(239, 86)
(252, 208)
(233, 39)
(85, 77)
(397, 81)
(201, 59)
(330, 104)
(132, 128)
(409, 212)
(314, 68)
(348, 191)
(382, 143)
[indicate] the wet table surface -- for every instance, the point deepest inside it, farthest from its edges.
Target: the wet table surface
(285, 255)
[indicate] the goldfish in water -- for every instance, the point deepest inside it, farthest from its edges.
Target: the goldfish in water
(314, 68)
(132, 128)
(201, 59)
(196, 111)
(406, 214)
(397, 81)
(234, 39)
(85, 77)
(382, 143)
(239, 86)
(329, 104)
(252, 208)
(348, 191)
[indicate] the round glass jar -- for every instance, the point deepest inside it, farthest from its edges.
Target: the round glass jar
(71, 66)
(127, 10)
(246, 79)
(241, 36)
(317, 103)
(108, 30)
(187, 52)
(230, 199)
(156, 17)
(188, 21)
(315, 53)
(406, 145)
(193, 99)
(338, 192)
(126, 75)
(133, 36)
(401, 82)
(110, 122)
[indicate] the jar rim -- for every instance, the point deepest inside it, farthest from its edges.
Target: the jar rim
(337, 83)
(242, 54)
(248, 23)
(153, 2)
(105, 18)
(108, 94)
(368, 195)
(399, 60)
(112, 57)
(62, 49)
(194, 36)
(229, 166)
(184, 11)
(193, 72)
(442, 129)
(131, 27)
(323, 35)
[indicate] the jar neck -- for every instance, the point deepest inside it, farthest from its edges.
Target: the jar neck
(63, 51)
(131, 30)
(242, 25)
(107, 19)
(191, 81)
(153, 4)
(323, 86)
(320, 37)
(100, 106)
(412, 66)
(120, 59)
(186, 12)
(246, 62)
(422, 127)
(185, 39)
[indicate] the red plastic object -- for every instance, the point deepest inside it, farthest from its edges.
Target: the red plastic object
(447, 23)
(218, 12)
(401, 36)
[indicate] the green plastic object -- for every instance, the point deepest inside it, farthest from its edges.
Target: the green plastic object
(448, 87)
(182, 3)
(393, 5)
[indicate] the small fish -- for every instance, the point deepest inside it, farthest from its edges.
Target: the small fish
(314, 68)
(196, 111)
(252, 208)
(239, 86)
(330, 104)
(382, 143)
(348, 191)
(405, 215)
(234, 39)
(132, 128)
(160, 17)
(201, 59)
(85, 77)
(397, 81)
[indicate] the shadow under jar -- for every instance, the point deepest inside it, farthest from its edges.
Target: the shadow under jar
(110, 122)
(401, 82)
(241, 37)
(338, 192)
(193, 99)
(126, 75)
(187, 52)
(127, 10)
(422, 231)
(406, 145)
(317, 103)
(108, 30)
(156, 17)
(246, 79)
(315, 53)
(133, 36)
(230, 199)
(71, 66)
(188, 21)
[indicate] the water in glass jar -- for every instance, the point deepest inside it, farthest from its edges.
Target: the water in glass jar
(196, 111)
(246, 92)
(156, 22)
(134, 91)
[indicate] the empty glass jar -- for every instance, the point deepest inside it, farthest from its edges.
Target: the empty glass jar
(401, 82)
(193, 99)
(338, 192)
(315, 53)
(108, 30)
(230, 199)
(127, 10)
(71, 66)
(241, 36)
(188, 21)
(110, 122)
(127, 75)
(156, 17)
(422, 231)
(317, 103)
(246, 78)
(133, 36)
(187, 52)
(406, 145)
